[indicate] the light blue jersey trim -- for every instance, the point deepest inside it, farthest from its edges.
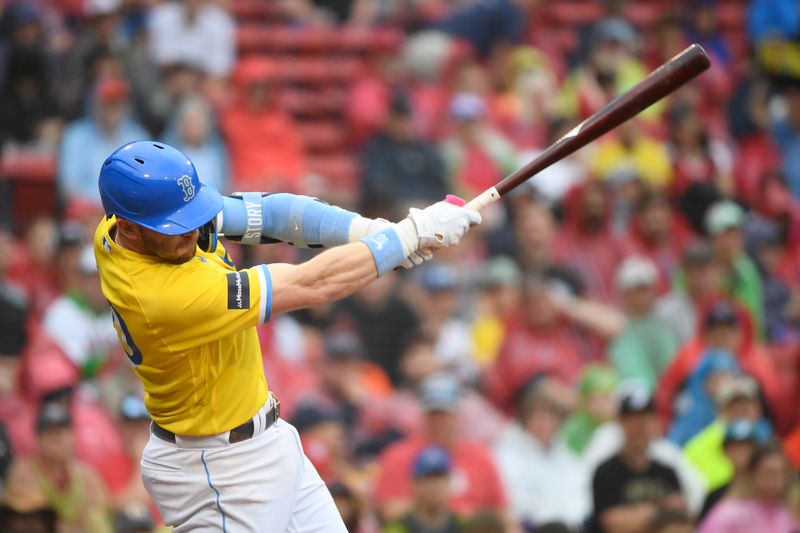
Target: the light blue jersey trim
(210, 484)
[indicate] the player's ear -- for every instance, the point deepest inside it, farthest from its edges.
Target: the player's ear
(128, 230)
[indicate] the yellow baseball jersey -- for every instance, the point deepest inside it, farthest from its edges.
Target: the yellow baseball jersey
(190, 331)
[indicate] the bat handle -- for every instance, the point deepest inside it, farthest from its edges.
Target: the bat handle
(485, 198)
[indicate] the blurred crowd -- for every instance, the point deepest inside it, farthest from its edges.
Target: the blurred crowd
(615, 349)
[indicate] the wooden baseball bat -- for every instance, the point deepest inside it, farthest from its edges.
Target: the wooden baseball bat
(667, 78)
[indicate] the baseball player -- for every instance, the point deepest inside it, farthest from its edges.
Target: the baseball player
(219, 457)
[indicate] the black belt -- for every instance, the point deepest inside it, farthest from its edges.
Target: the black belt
(237, 434)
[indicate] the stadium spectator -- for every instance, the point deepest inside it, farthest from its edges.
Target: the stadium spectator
(255, 115)
(762, 504)
(541, 340)
(33, 267)
(737, 399)
(645, 348)
(29, 112)
(694, 285)
(586, 241)
(88, 141)
(630, 491)
(703, 29)
(16, 414)
(476, 155)
(696, 158)
(697, 403)
(596, 406)
(740, 280)
(400, 168)
(355, 511)
(479, 484)
(738, 444)
(73, 490)
(323, 435)
(773, 19)
(498, 300)
(430, 512)
(785, 131)
(13, 302)
(193, 131)
(79, 322)
(195, 32)
(543, 478)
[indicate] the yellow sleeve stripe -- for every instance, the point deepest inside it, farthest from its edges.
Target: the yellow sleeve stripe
(265, 284)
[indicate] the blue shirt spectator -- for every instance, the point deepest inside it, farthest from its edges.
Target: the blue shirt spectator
(487, 23)
(88, 141)
(773, 19)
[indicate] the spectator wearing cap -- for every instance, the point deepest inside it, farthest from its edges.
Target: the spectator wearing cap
(75, 492)
(587, 242)
(479, 485)
(543, 478)
(697, 406)
(88, 141)
(195, 32)
(760, 504)
(631, 490)
(740, 441)
(610, 69)
(497, 301)
(740, 277)
(726, 326)
(430, 512)
(438, 305)
(79, 322)
(193, 131)
(737, 399)
(254, 115)
(476, 155)
(323, 434)
(399, 167)
(646, 346)
(695, 285)
(596, 406)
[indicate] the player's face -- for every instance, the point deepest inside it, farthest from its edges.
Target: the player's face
(171, 248)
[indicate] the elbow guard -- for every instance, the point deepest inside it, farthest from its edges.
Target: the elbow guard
(259, 218)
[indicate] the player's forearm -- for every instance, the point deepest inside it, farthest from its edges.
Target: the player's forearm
(300, 220)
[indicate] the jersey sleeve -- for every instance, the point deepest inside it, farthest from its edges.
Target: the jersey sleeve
(202, 303)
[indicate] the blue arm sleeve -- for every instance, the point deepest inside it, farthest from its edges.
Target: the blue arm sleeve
(300, 220)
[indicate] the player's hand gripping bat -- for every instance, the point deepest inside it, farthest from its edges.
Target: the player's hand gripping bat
(666, 79)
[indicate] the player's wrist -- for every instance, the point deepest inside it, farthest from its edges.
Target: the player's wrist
(391, 247)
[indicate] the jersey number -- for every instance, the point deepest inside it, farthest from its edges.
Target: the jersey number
(131, 350)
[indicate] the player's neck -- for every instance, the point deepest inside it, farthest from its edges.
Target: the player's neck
(128, 244)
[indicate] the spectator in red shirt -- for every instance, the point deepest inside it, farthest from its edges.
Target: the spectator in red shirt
(475, 481)
(543, 341)
(266, 150)
(586, 241)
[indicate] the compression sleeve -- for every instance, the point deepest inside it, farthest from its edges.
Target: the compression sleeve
(255, 218)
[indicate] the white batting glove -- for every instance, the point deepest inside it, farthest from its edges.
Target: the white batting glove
(439, 225)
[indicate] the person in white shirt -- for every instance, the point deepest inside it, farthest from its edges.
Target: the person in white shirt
(544, 480)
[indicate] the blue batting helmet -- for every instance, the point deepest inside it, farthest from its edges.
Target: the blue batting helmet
(156, 186)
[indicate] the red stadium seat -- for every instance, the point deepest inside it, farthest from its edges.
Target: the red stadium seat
(323, 137)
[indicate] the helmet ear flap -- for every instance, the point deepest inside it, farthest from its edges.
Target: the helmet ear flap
(208, 236)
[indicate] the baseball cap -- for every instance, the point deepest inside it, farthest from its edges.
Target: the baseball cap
(699, 253)
(635, 272)
(440, 392)
(741, 430)
(722, 314)
(735, 389)
(112, 90)
(308, 416)
(636, 400)
(431, 461)
(500, 271)
(722, 216)
(343, 344)
(613, 29)
(53, 415)
(439, 277)
(86, 261)
(467, 106)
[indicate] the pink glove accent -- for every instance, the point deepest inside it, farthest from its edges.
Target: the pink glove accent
(455, 200)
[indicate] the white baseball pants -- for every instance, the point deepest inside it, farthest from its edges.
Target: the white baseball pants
(265, 484)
